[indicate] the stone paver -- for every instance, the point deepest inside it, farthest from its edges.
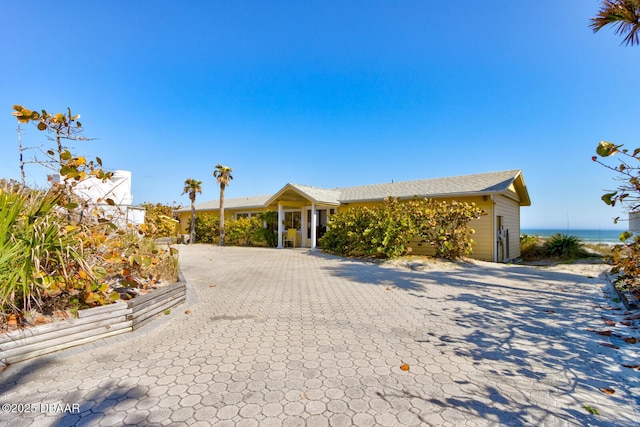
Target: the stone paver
(290, 337)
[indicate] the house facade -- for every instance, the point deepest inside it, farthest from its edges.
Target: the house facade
(308, 209)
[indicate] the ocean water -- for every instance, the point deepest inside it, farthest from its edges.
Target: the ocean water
(587, 236)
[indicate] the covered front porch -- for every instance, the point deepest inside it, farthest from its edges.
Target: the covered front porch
(305, 210)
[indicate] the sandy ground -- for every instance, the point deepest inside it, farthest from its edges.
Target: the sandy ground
(586, 268)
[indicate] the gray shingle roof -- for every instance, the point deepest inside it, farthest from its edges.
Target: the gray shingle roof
(492, 182)
(477, 184)
(235, 203)
(320, 195)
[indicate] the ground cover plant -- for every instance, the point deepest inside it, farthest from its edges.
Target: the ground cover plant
(386, 230)
(60, 253)
(558, 248)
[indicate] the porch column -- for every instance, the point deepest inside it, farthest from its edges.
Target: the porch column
(303, 227)
(280, 221)
(314, 222)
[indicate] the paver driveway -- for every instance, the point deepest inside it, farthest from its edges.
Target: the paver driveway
(290, 337)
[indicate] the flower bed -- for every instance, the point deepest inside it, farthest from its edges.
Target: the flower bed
(90, 325)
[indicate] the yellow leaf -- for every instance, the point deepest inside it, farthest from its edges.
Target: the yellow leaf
(89, 297)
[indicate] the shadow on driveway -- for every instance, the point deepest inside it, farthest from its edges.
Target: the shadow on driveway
(78, 408)
(524, 327)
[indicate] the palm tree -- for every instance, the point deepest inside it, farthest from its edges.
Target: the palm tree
(191, 187)
(223, 176)
(623, 15)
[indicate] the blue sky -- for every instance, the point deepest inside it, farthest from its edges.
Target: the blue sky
(329, 94)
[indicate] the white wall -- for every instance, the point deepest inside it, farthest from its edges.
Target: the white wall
(118, 188)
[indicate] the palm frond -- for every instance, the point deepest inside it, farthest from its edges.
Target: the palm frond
(623, 16)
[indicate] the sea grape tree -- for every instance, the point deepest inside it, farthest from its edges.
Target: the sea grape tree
(61, 127)
(72, 168)
(627, 168)
(387, 230)
(626, 255)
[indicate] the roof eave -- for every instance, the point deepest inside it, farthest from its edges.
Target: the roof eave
(230, 208)
(425, 196)
(521, 189)
(274, 199)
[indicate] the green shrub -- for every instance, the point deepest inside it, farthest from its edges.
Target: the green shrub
(386, 230)
(531, 248)
(391, 230)
(626, 262)
(24, 234)
(43, 258)
(343, 226)
(564, 246)
(207, 227)
(242, 231)
(445, 225)
(527, 239)
(268, 234)
(379, 232)
(160, 220)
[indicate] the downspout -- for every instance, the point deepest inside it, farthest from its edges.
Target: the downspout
(494, 231)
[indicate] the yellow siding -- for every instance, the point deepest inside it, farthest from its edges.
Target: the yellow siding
(184, 218)
(483, 236)
(513, 193)
(510, 211)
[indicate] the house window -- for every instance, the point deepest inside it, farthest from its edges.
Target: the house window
(293, 219)
(246, 214)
